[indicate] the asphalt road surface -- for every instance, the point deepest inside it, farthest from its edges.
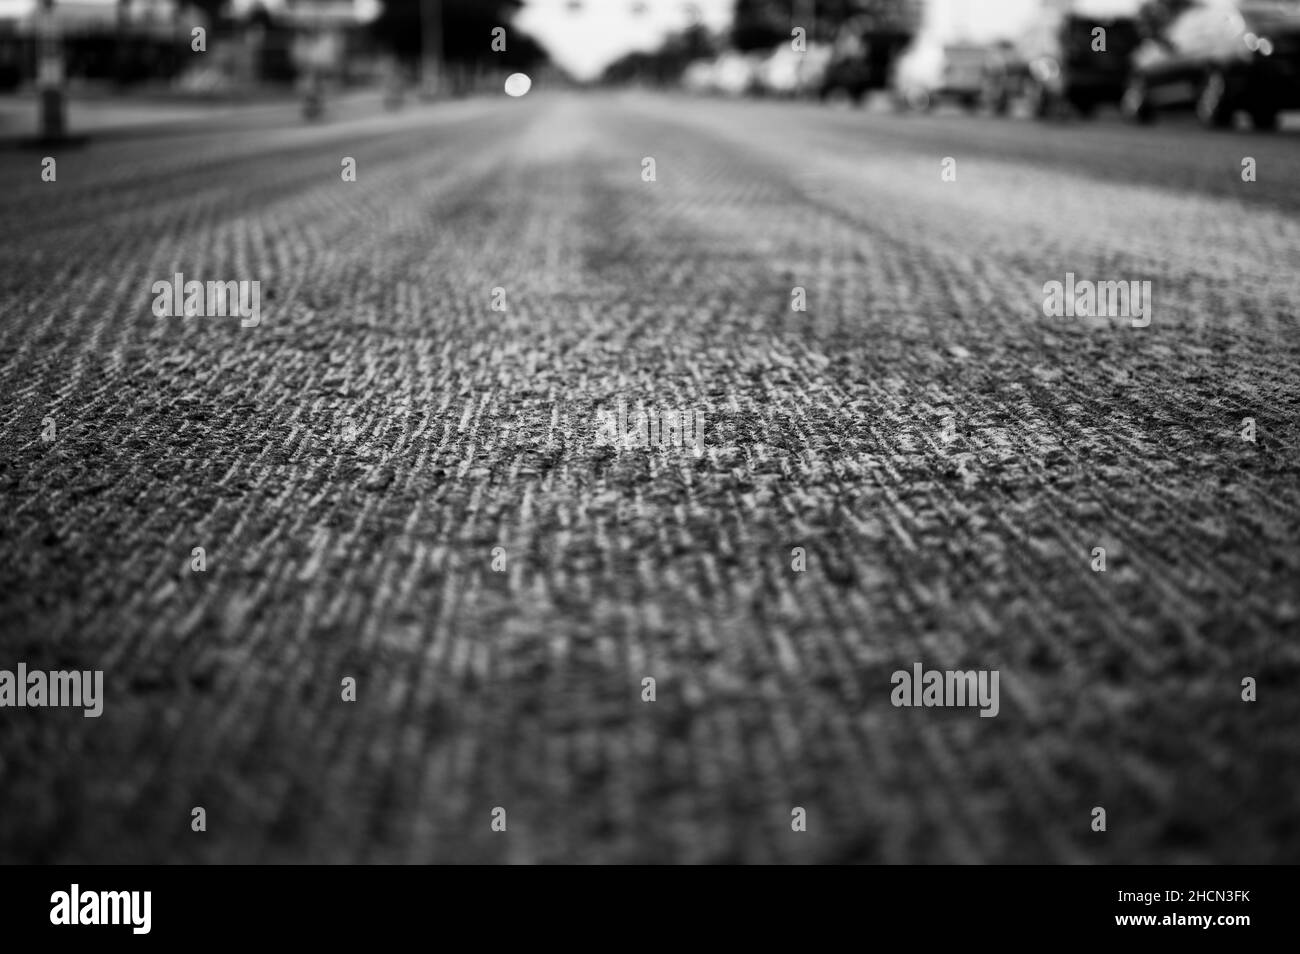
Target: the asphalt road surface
(947, 456)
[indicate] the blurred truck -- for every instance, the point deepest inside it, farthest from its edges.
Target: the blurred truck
(928, 74)
(1066, 62)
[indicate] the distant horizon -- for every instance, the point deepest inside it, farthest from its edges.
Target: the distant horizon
(583, 42)
(17, 8)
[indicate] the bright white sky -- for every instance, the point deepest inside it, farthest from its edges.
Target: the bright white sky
(586, 39)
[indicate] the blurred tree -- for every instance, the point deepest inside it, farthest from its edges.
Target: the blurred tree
(666, 64)
(762, 24)
(466, 32)
(1155, 15)
(214, 10)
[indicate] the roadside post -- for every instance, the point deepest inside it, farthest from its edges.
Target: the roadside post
(430, 48)
(50, 75)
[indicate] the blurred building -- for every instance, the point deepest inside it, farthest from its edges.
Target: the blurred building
(249, 44)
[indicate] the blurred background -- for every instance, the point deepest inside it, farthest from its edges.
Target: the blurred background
(1038, 57)
(862, 330)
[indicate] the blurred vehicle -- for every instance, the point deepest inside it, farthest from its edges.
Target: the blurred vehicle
(1055, 68)
(863, 53)
(99, 41)
(927, 74)
(1218, 59)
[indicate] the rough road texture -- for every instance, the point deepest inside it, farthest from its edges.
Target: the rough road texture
(824, 430)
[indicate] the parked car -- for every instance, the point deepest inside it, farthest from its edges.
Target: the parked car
(927, 74)
(1219, 59)
(1059, 66)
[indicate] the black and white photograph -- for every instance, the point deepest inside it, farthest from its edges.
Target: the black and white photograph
(650, 432)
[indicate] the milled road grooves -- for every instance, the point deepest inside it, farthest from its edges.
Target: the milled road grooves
(947, 456)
